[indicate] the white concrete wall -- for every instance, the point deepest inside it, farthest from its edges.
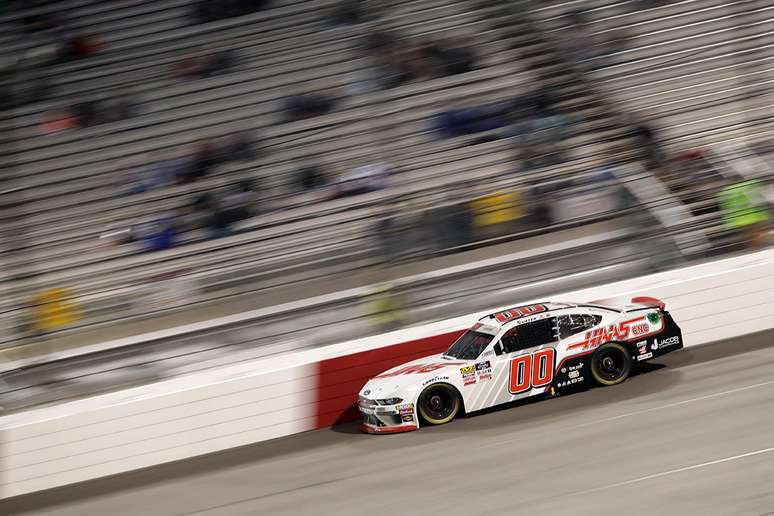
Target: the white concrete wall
(273, 397)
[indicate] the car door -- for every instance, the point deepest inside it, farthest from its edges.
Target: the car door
(530, 351)
(523, 365)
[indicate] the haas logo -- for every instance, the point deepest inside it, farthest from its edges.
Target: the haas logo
(615, 332)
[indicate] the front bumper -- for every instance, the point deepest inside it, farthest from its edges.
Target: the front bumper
(378, 419)
(371, 429)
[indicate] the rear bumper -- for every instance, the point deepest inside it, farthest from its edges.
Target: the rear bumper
(667, 341)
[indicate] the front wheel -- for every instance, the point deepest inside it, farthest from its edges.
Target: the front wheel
(611, 364)
(439, 403)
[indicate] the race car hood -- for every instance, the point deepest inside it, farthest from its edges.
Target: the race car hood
(415, 373)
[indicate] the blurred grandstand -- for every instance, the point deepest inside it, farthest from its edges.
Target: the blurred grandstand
(171, 160)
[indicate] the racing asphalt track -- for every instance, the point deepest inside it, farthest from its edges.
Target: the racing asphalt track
(695, 437)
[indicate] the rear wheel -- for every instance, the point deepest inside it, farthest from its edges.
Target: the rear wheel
(439, 403)
(611, 364)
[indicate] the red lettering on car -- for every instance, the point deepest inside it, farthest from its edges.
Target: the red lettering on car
(522, 311)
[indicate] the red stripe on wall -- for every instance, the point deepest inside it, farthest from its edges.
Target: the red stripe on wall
(340, 379)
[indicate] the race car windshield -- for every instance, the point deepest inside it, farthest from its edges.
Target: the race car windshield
(469, 346)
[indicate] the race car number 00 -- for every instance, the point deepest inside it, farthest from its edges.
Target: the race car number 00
(531, 371)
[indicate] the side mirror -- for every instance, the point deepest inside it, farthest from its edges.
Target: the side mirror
(498, 349)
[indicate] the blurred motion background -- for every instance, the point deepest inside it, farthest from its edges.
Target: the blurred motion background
(341, 168)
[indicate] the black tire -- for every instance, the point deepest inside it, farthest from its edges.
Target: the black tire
(439, 403)
(611, 364)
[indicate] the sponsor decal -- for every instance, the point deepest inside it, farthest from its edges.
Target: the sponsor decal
(615, 332)
(671, 341)
(574, 374)
(468, 369)
(570, 382)
(653, 317)
(521, 311)
(407, 408)
(564, 369)
(484, 371)
(655, 344)
(576, 366)
(435, 379)
(640, 329)
(470, 380)
(407, 418)
(645, 356)
(643, 350)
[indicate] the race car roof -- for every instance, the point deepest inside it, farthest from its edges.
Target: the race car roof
(520, 312)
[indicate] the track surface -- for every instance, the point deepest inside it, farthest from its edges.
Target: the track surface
(695, 437)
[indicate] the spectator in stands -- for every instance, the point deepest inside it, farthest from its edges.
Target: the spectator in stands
(299, 107)
(745, 209)
(80, 46)
(650, 4)
(215, 218)
(47, 24)
(453, 223)
(221, 62)
(348, 12)
(241, 201)
(157, 172)
(646, 141)
(205, 158)
(538, 129)
(362, 179)
(211, 64)
(212, 10)
(99, 110)
(310, 177)
(191, 67)
(538, 200)
(88, 113)
(378, 40)
(617, 41)
(577, 41)
(158, 234)
(465, 120)
(239, 146)
(58, 120)
(122, 107)
(455, 57)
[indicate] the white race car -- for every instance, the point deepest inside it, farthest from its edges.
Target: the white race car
(544, 348)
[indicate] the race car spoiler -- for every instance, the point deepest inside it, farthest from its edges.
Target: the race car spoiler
(642, 301)
(650, 302)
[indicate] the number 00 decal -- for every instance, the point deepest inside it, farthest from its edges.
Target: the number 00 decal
(530, 371)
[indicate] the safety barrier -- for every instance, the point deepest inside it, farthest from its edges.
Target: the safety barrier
(279, 396)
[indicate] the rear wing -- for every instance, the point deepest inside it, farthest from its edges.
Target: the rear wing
(635, 303)
(649, 302)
